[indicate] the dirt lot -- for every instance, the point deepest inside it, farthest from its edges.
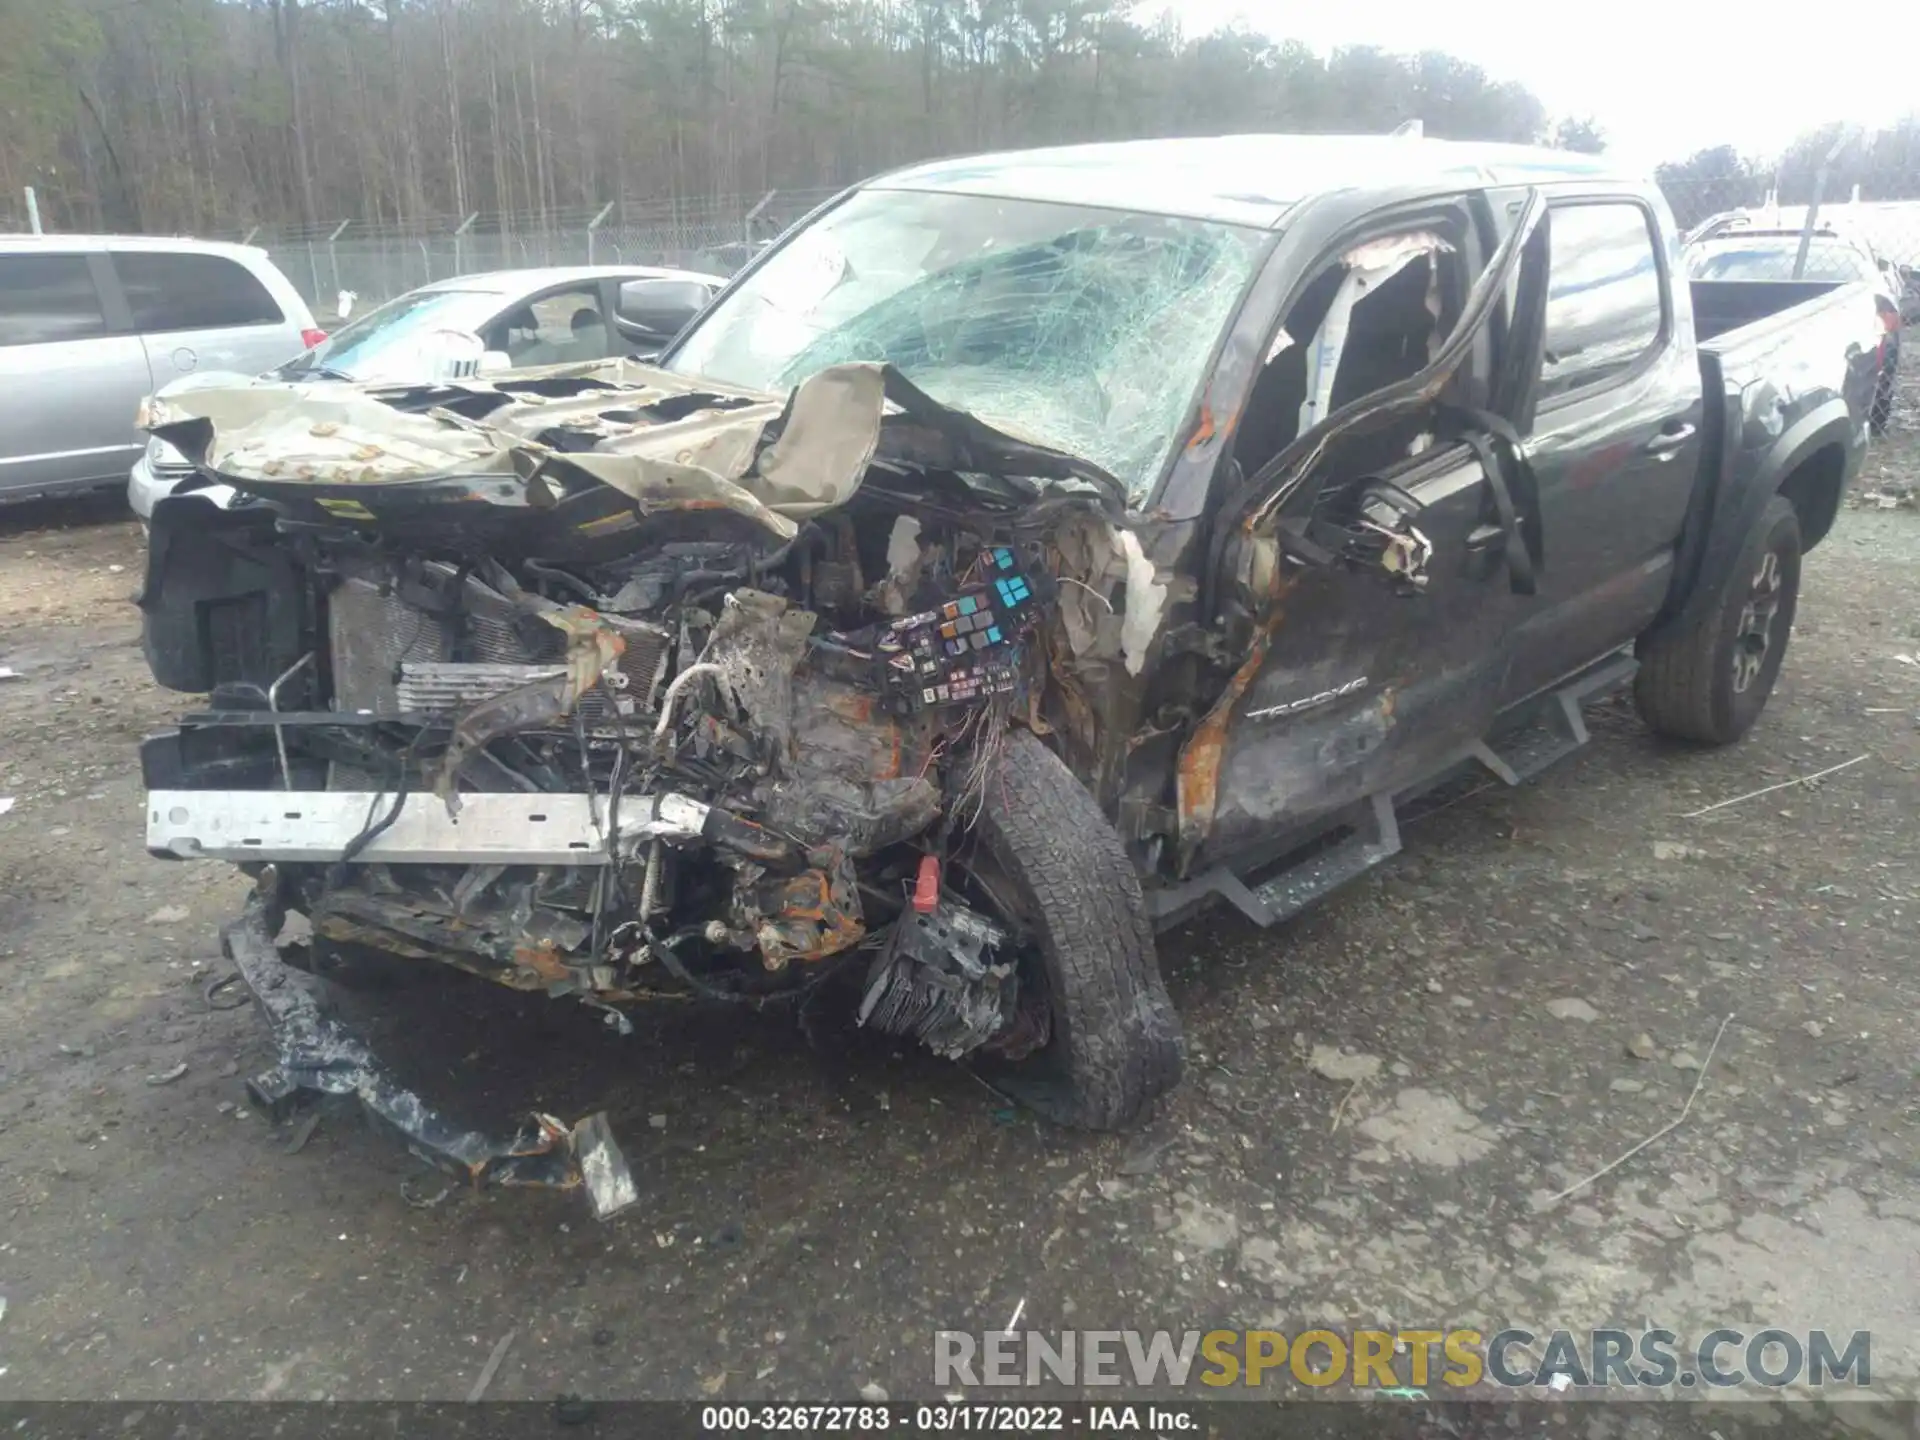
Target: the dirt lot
(811, 1211)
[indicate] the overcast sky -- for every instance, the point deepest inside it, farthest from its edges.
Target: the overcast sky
(1663, 77)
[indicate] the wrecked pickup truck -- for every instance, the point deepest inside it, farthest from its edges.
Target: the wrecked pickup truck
(1021, 554)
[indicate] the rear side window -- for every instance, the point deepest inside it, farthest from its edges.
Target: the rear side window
(1603, 295)
(47, 297)
(192, 292)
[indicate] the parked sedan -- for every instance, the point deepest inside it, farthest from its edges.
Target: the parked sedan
(521, 319)
(1741, 252)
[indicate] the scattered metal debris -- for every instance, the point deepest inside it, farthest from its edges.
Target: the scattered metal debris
(1014, 1320)
(491, 1368)
(320, 1054)
(214, 993)
(1769, 789)
(420, 1201)
(1664, 1130)
(1340, 1110)
(301, 1132)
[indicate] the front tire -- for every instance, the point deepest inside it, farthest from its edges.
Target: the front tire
(1710, 682)
(1115, 1043)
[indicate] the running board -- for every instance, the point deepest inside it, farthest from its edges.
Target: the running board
(1375, 837)
(1556, 731)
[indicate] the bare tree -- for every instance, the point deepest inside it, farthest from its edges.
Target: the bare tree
(218, 114)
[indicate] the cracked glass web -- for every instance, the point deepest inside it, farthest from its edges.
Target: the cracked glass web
(1084, 329)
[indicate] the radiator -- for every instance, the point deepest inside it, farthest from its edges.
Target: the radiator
(389, 656)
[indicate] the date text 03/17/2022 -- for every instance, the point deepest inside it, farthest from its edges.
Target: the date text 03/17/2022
(953, 1418)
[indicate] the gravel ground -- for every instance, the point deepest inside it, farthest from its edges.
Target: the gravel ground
(811, 1210)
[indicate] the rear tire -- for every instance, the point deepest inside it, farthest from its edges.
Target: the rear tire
(1116, 1044)
(1710, 681)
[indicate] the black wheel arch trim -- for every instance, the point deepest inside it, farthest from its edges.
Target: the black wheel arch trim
(1724, 510)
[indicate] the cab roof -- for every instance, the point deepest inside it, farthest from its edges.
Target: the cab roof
(1241, 179)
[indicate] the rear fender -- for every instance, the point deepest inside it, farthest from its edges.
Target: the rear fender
(1749, 478)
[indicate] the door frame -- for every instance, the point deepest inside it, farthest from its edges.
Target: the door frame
(1257, 499)
(1248, 517)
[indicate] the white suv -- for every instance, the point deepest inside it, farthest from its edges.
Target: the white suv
(90, 325)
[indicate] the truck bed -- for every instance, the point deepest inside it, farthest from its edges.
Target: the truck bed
(1775, 356)
(1790, 337)
(1723, 305)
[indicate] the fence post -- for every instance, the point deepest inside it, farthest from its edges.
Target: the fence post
(746, 225)
(333, 256)
(33, 211)
(313, 269)
(465, 225)
(247, 239)
(594, 224)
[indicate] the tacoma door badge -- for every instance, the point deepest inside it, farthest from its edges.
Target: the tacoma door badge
(1309, 702)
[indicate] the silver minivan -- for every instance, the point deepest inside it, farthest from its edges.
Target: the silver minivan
(91, 325)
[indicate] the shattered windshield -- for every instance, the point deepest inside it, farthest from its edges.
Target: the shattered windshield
(1084, 329)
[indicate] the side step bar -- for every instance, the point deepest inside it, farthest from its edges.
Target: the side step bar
(1555, 729)
(1376, 837)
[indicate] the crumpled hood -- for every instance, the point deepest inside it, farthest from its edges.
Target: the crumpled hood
(671, 442)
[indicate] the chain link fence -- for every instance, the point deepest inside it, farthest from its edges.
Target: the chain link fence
(1890, 227)
(1827, 236)
(379, 261)
(718, 234)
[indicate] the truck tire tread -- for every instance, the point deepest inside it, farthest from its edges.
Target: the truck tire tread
(1115, 1032)
(1684, 687)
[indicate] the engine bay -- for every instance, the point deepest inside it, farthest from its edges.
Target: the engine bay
(767, 747)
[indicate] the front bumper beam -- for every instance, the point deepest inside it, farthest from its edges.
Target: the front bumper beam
(318, 827)
(320, 1055)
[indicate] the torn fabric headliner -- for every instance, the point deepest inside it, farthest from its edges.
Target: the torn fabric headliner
(670, 442)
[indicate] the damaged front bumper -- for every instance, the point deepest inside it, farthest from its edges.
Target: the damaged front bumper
(321, 1056)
